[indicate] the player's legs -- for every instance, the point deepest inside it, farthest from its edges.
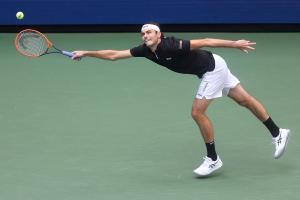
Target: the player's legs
(210, 88)
(212, 161)
(280, 136)
(198, 113)
(213, 85)
(243, 98)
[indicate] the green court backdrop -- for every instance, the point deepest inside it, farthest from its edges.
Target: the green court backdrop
(117, 130)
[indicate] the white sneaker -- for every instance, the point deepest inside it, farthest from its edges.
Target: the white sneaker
(280, 142)
(208, 166)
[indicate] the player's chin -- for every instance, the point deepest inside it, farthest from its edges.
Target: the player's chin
(149, 43)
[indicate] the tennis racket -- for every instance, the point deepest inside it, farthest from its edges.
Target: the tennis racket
(34, 44)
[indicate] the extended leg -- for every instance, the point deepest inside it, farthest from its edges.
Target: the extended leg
(280, 136)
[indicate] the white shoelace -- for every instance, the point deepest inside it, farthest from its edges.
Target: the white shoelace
(209, 162)
(277, 140)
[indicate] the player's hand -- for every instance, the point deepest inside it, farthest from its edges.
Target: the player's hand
(244, 45)
(77, 55)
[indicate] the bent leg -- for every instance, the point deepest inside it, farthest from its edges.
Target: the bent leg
(212, 161)
(198, 113)
(243, 98)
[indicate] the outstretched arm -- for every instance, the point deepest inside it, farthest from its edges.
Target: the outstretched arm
(103, 54)
(243, 45)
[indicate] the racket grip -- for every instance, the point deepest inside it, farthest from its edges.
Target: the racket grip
(67, 53)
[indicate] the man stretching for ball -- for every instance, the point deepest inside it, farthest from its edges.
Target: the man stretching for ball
(184, 56)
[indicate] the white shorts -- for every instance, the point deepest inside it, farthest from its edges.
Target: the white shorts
(218, 82)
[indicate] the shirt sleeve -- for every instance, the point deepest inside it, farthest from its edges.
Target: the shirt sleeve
(138, 51)
(185, 45)
(179, 45)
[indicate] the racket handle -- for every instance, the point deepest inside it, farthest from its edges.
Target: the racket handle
(67, 53)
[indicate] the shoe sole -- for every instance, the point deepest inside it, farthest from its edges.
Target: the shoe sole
(285, 145)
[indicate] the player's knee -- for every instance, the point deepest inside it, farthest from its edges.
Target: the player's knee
(197, 113)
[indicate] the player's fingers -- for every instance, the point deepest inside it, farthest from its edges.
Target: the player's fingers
(249, 47)
(75, 57)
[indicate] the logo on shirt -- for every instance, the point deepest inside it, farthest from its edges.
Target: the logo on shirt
(169, 58)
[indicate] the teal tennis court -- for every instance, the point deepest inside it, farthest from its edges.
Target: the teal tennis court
(121, 130)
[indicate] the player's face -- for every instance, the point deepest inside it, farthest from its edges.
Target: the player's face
(150, 37)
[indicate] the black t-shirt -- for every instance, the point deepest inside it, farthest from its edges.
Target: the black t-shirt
(176, 55)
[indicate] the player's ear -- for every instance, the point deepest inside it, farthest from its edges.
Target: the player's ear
(159, 34)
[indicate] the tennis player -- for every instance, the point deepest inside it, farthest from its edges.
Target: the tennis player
(185, 56)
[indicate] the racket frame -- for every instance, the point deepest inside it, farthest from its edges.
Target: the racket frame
(49, 45)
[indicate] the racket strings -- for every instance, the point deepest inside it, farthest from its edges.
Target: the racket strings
(32, 44)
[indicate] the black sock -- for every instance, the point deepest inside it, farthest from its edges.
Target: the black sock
(273, 128)
(211, 152)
